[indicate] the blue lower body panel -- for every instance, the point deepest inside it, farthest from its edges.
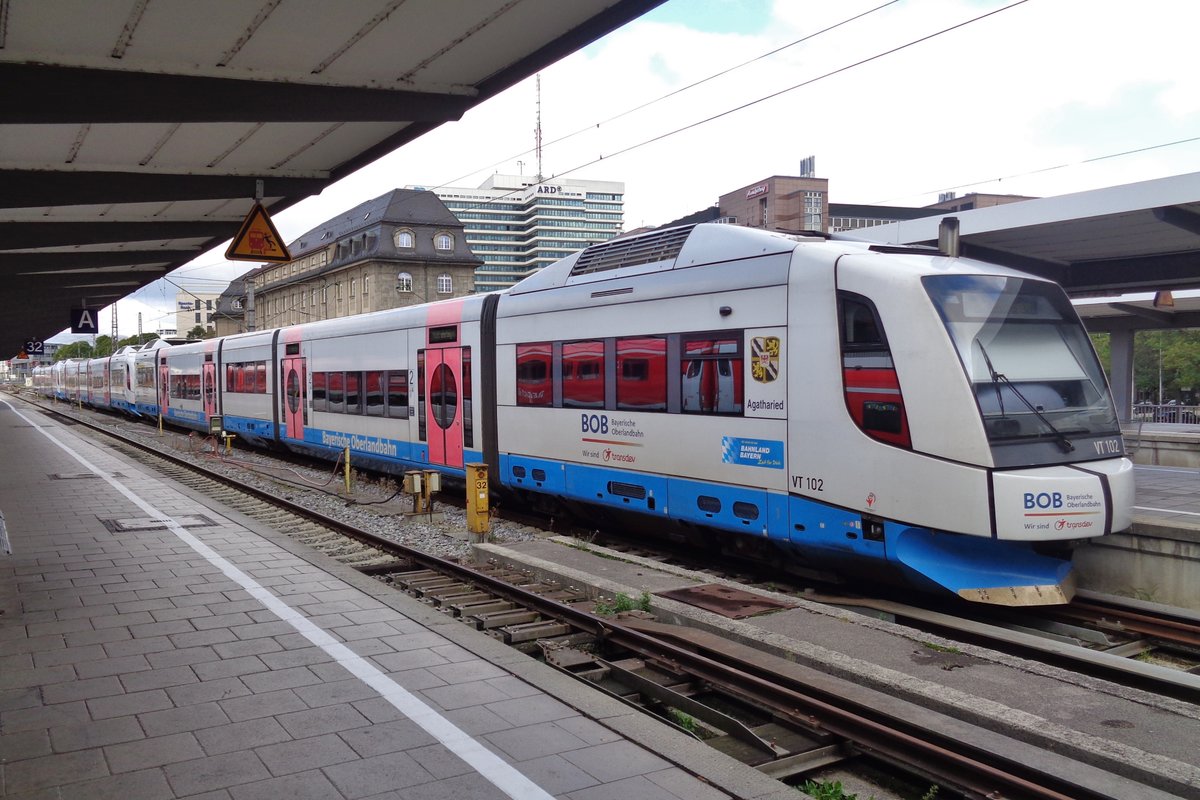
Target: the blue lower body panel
(981, 569)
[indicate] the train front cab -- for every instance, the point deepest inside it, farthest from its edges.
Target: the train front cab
(912, 468)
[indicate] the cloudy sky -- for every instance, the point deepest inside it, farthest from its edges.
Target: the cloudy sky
(898, 101)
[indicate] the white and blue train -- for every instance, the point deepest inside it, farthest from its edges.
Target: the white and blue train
(878, 413)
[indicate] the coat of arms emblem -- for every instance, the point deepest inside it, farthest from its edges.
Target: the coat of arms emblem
(764, 351)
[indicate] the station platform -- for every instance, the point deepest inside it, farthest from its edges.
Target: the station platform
(156, 645)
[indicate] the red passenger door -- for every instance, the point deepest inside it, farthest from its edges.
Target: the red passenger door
(164, 387)
(443, 406)
(209, 390)
(294, 397)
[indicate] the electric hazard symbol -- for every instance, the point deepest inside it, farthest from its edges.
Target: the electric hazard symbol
(258, 240)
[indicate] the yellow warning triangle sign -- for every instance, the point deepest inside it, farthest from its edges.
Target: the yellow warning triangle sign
(258, 240)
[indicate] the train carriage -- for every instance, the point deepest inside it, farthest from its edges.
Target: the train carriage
(396, 387)
(248, 384)
(862, 432)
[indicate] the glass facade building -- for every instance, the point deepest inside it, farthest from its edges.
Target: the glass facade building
(517, 225)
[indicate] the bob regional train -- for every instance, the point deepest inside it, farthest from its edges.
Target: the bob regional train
(875, 412)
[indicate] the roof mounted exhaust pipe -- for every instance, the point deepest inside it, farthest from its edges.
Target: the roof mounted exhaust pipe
(948, 237)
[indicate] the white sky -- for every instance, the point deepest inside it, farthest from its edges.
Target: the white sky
(1040, 99)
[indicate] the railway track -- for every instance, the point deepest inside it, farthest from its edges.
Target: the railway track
(753, 707)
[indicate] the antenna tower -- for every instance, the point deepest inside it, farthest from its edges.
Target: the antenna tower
(537, 131)
(115, 335)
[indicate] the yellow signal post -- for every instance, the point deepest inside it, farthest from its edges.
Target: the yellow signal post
(478, 520)
(348, 492)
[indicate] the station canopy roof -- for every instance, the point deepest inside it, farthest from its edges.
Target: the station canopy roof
(133, 132)
(1141, 237)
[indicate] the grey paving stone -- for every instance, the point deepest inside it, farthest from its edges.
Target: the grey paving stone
(183, 656)
(408, 659)
(95, 734)
(557, 775)
(229, 668)
(123, 620)
(221, 620)
(158, 678)
(42, 717)
(183, 719)
(208, 691)
(25, 744)
(215, 772)
(334, 692)
(281, 679)
(112, 666)
(294, 656)
(461, 695)
(39, 676)
(262, 705)
(615, 760)
(386, 737)
(58, 626)
(477, 720)
(132, 647)
(148, 784)
(685, 785)
(327, 719)
(102, 636)
(35, 644)
(153, 752)
(26, 697)
(251, 647)
(624, 789)
(534, 741)
(528, 710)
(471, 786)
(53, 770)
(242, 736)
(83, 689)
(125, 704)
(311, 785)
(368, 776)
(313, 752)
(439, 761)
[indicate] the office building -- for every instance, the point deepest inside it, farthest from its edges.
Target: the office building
(517, 225)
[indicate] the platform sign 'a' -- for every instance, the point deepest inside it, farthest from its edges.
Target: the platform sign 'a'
(258, 240)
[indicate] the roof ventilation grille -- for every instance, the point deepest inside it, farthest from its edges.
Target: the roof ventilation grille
(649, 248)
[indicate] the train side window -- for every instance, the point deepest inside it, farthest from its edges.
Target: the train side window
(583, 374)
(397, 393)
(319, 382)
(375, 393)
(336, 393)
(421, 425)
(871, 386)
(533, 375)
(260, 383)
(230, 377)
(642, 374)
(467, 389)
(712, 378)
(353, 392)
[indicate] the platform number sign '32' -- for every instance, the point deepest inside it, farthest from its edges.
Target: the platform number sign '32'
(764, 367)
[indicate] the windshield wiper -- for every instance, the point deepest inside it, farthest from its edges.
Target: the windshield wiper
(997, 378)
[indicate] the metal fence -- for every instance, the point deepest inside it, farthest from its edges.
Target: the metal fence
(1168, 412)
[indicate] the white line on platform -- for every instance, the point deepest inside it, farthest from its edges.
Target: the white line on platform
(493, 768)
(1166, 511)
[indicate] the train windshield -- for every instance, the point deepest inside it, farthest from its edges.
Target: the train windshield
(1034, 372)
